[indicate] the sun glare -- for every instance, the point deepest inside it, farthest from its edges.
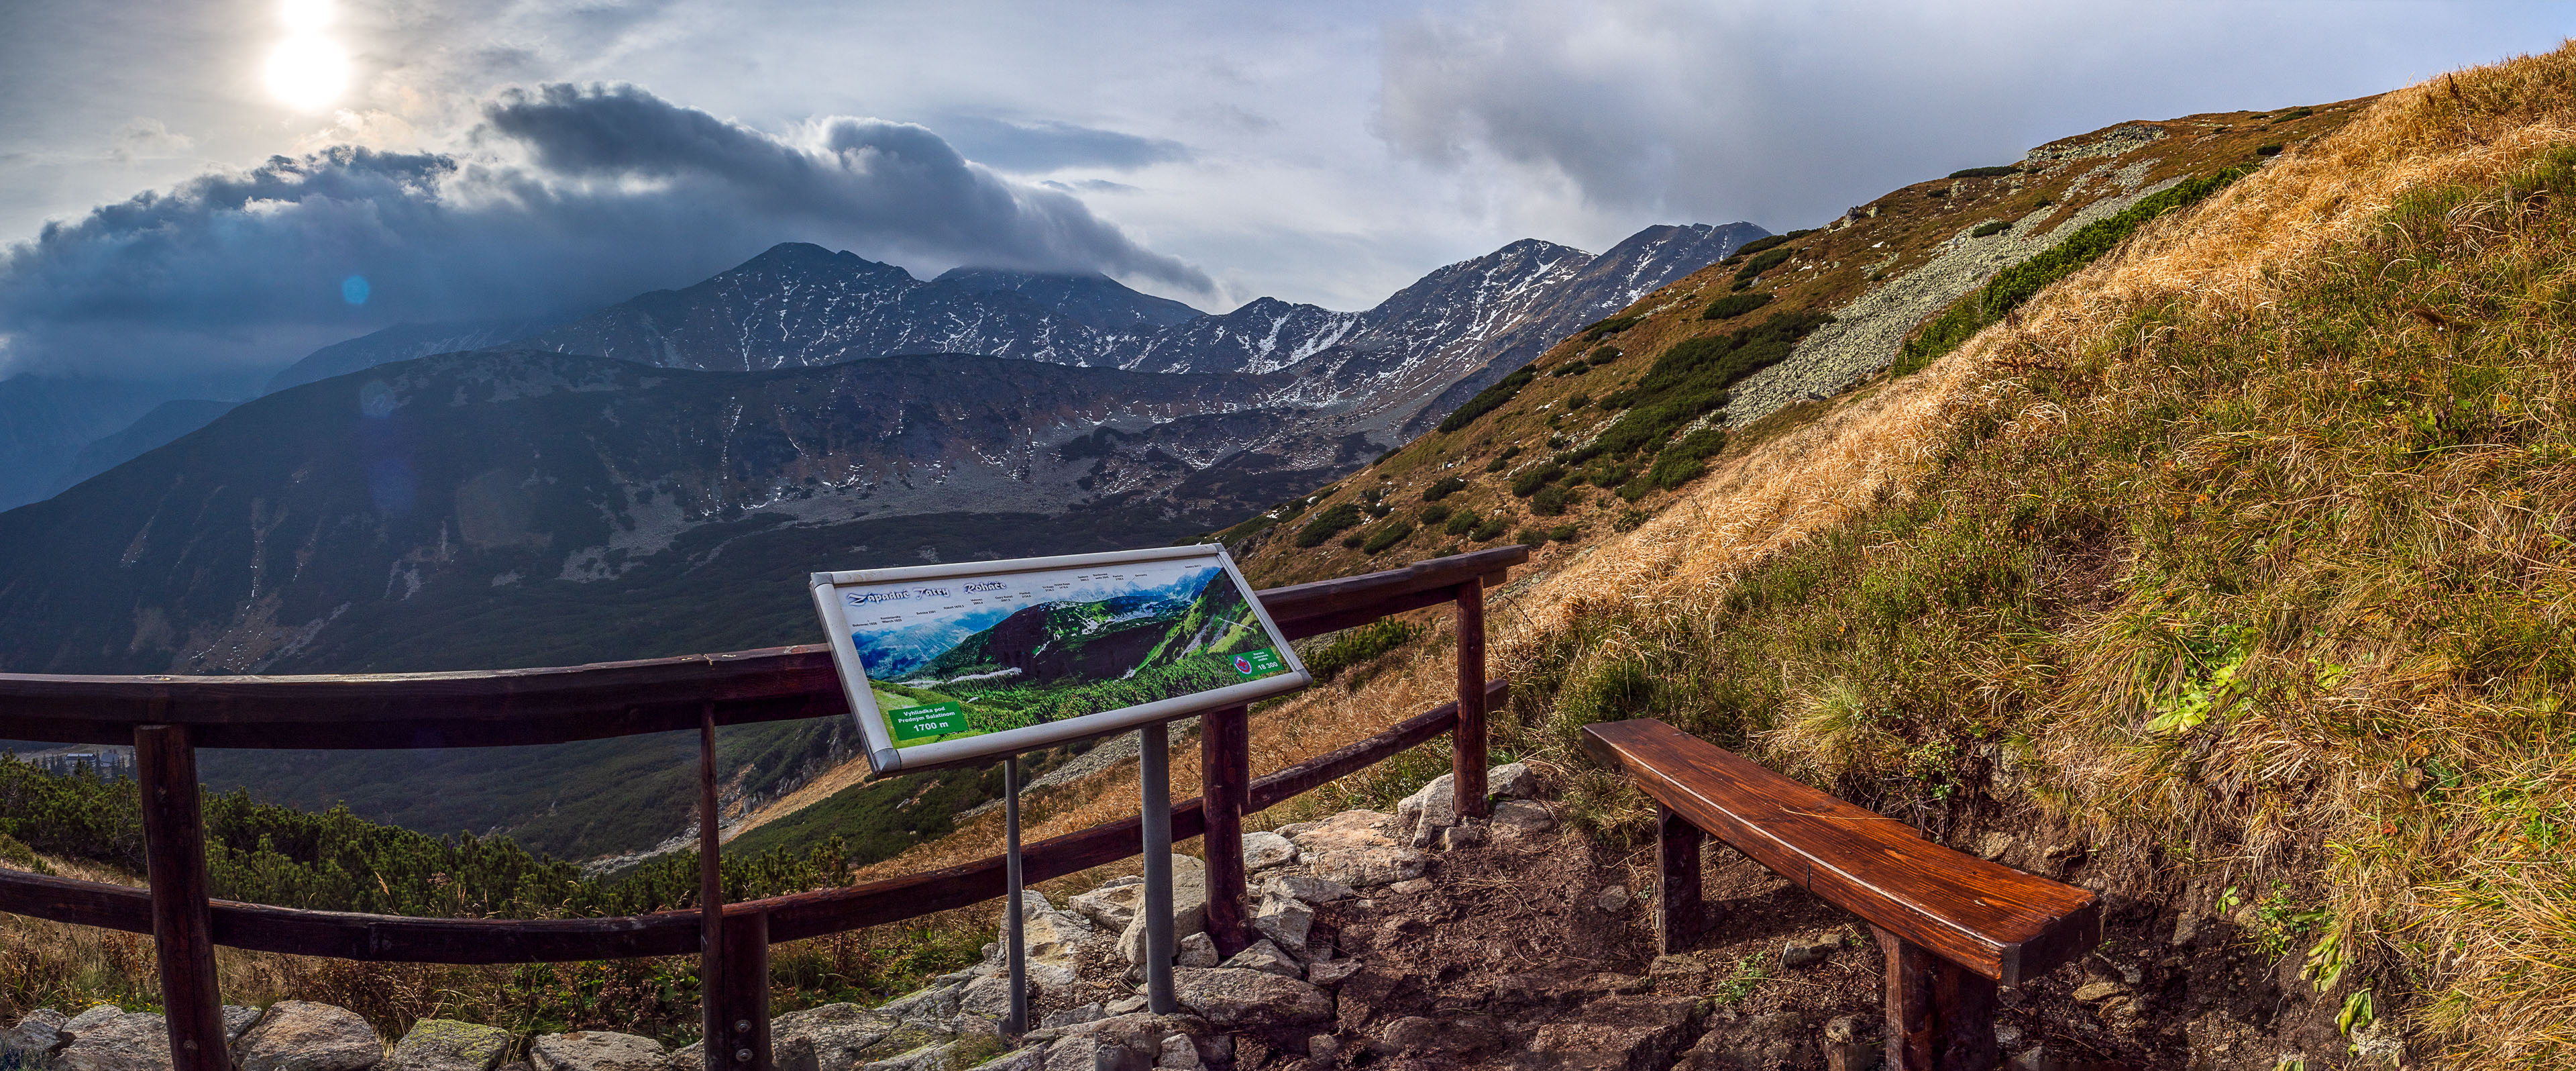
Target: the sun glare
(306, 70)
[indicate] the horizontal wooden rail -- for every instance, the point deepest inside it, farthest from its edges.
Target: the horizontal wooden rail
(488, 708)
(399, 939)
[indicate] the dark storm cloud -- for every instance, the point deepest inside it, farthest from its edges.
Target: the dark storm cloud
(568, 198)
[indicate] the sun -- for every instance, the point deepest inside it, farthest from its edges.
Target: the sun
(306, 70)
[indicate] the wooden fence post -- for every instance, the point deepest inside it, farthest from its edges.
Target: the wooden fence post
(1467, 744)
(1225, 777)
(1677, 901)
(174, 853)
(743, 992)
(1940, 1015)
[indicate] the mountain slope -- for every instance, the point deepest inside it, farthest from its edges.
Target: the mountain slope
(401, 342)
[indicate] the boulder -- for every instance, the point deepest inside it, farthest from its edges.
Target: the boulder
(1283, 920)
(238, 1020)
(1511, 781)
(1333, 973)
(1087, 1013)
(596, 1050)
(1618, 1033)
(31, 1043)
(1112, 904)
(841, 1036)
(1353, 849)
(1521, 818)
(1428, 811)
(449, 1045)
(1179, 1053)
(1456, 837)
(1231, 997)
(1797, 952)
(114, 1040)
(930, 1007)
(1262, 955)
(1087, 1053)
(1262, 851)
(1189, 909)
(300, 1035)
(989, 996)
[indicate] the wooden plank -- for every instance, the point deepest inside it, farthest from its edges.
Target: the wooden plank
(174, 855)
(1999, 922)
(738, 1039)
(395, 939)
(1467, 744)
(1678, 907)
(560, 704)
(1225, 770)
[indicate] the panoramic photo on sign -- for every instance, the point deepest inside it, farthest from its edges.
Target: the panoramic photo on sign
(952, 663)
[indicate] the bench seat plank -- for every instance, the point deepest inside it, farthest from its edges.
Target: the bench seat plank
(1999, 922)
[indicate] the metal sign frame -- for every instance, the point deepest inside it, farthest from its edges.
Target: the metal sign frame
(885, 758)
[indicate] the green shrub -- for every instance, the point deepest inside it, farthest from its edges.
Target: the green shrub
(1550, 501)
(1734, 305)
(1673, 470)
(1331, 522)
(1387, 535)
(1765, 262)
(1574, 367)
(1938, 191)
(1990, 227)
(1443, 488)
(1606, 354)
(1629, 520)
(1489, 399)
(1503, 460)
(2017, 284)
(1431, 515)
(1532, 537)
(1636, 489)
(1352, 646)
(1997, 171)
(1535, 477)
(1606, 326)
(2271, 149)
(1461, 522)
(1691, 378)
(1577, 401)
(1372, 495)
(2294, 114)
(1758, 245)
(20, 857)
(1488, 528)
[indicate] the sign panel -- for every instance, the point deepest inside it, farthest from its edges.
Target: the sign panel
(949, 664)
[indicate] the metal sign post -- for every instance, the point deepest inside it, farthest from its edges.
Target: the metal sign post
(1154, 776)
(1014, 938)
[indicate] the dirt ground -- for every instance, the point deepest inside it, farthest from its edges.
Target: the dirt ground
(1537, 952)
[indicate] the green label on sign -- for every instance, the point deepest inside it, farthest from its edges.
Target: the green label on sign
(1261, 663)
(936, 719)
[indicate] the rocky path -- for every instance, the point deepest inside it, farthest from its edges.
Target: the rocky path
(1414, 941)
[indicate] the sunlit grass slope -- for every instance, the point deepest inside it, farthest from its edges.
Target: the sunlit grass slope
(2250, 547)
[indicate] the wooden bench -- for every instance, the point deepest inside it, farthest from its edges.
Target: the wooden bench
(1952, 925)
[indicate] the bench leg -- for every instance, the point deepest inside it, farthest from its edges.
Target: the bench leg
(1677, 903)
(1940, 1016)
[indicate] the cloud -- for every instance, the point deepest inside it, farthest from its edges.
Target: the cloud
(1785, 114)
(1033, 148)
(563, 198)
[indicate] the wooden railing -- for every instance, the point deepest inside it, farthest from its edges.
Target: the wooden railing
(168, 717)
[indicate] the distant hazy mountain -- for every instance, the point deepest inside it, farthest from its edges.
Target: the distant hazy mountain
(401, 342)
(46, 420)
(167, 421)
(1096, 300)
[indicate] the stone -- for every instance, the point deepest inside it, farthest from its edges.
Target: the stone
(1444, 1033)
(1677, 973)
(1511, 781)
(1262, 955)
(1262, 851)
(596, 1050)
(1189, 909)
(1230, 997)
(1613, 900)
(238, 1020)
(1195, 950)
(1179, 1054)
(449, 1045)
(1353, 849)
(1306, 887)
(1849, 1044)
(1126, 1005)
(30, 1044)
(1411, 886)
(2185, 929)
(2091, 992)
(989, 997)
(114, 1040)
(1994, 845)
(1428, 811)
(1111, 905)
(1284, 921)
(300, 1035)
(1091, 1012)
(931, 1007)
(2005, 1034)
(1333, 973)
(840, 1036)
(935, 1056)
(1456, 837)
(1323, 1047)
(1521, 818)
(1804, 953)
(1087, 1053)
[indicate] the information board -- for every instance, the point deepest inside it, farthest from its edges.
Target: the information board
(948, 664)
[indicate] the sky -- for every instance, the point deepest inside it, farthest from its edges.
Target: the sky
(228, 184)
